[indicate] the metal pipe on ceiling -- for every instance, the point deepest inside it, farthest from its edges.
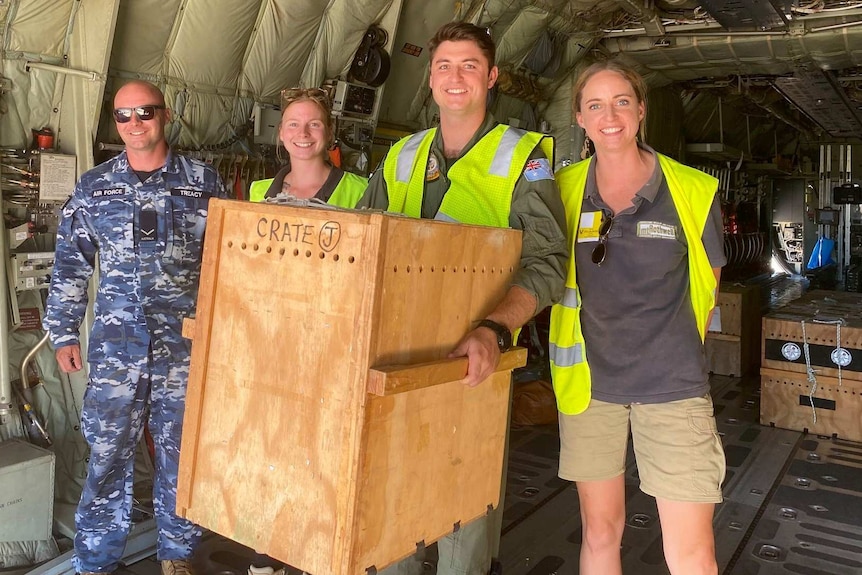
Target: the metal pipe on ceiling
(92, 76)
(836, 26)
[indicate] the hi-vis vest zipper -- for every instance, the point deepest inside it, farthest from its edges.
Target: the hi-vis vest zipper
(692, 192)
(481, 182)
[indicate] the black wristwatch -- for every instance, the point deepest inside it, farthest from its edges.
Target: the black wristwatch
(504, 336)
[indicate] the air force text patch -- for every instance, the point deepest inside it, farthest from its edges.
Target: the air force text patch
(538, 169)
(657, 230)
(109, 193)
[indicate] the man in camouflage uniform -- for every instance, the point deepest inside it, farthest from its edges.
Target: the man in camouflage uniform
(143, 215)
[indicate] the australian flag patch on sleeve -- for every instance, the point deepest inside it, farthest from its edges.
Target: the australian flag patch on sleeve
(538, 169)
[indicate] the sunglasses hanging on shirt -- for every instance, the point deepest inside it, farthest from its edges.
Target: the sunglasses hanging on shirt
(600, 252)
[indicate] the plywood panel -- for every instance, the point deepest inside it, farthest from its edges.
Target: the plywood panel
(785, 402)
(423, 314)
(437, 458)
(740, 309)
(724, 355)
(278, 415)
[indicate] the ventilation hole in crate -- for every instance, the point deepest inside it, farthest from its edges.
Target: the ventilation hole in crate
(336, 257)
(281, 252)
(243, 246)
(432, 269)
(421, 269)
(395, 269)
(256, 247)
(230, 244)
(474, 269)
(351, 259)
(443, 269)
(269, 249)
(464, 269)
(321, 255)
(295, 252)
(308, 253)
(408, 269)
(493, 270)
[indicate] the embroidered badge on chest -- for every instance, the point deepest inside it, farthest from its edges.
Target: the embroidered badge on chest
(432, 170)
(657, 230)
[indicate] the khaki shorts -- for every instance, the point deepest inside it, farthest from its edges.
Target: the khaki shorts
(677, 447)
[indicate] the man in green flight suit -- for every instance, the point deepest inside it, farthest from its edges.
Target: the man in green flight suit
(473, 170)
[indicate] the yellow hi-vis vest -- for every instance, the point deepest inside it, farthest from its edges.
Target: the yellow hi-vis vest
(348, 191)
(692, 192)
(481, 182)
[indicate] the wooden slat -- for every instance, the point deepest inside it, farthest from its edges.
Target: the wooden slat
(434, 457)
(837, 405)
(392, 379)
(189, 328)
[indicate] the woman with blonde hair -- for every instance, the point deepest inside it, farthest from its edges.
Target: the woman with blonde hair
(306, 132)
(646, 243)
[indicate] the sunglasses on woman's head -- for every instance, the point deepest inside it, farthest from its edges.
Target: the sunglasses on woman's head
(144, 113)
(290, 95)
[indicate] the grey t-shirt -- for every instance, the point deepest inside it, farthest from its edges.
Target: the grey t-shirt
(641, 337)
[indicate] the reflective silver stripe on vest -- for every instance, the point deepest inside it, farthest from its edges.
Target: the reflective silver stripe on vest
(566, 356)
(404, 167)
(570, 298)
(505, 150)
(441, 217)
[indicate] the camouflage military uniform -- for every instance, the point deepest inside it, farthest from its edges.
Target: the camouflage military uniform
(149, 238)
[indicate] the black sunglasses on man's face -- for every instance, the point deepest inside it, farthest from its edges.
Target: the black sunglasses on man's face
(144, 113)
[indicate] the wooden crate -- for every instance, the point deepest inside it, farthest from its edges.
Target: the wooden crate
(735, 349)
(828, 316)
(298, 440)
(725, 355)
(785, 402)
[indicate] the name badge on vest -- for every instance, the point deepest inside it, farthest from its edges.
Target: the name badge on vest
(432, 169)
(147, 226)
(657, 230)
(588, 228)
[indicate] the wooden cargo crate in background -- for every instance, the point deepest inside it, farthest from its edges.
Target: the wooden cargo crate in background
(296, 442)
(786, 400)
(831, 320)
(735, 349)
